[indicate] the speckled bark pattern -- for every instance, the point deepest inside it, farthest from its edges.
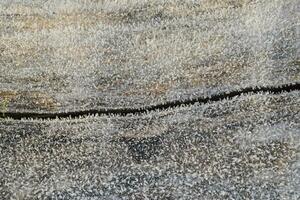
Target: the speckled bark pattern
(64, 55)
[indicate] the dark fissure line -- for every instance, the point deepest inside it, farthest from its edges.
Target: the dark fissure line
(167, 105)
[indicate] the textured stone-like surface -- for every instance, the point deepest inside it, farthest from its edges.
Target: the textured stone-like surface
(244, 148)
(66, 55)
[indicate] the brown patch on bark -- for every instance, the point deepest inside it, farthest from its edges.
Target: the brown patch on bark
(5, 98)
(8, 94)
(158, 89)
(216, 73)
(155, 89)
(39, 22)
(82, 20)
(30, 100)
(42, 100)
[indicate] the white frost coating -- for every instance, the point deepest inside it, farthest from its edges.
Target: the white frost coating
(114, 54)
(247, 146)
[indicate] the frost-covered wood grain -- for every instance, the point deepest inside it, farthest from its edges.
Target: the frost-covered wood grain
(244, 148)
(63, 55)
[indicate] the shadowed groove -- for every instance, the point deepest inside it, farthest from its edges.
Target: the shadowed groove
(164, 106)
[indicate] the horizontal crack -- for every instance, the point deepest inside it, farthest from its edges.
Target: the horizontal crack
(126, 111)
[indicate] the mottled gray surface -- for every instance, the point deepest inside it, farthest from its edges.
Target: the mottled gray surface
(63, 55)
(244, 148)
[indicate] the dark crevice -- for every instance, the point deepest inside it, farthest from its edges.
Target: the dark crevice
(167, 105)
